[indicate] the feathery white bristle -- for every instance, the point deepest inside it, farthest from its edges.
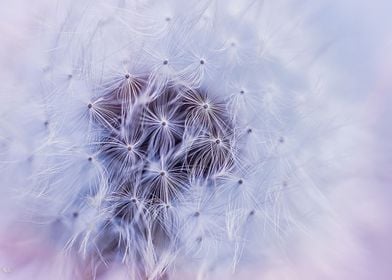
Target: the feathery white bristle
(167, 134)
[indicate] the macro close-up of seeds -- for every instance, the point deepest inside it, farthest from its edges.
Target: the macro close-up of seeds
(194, 139)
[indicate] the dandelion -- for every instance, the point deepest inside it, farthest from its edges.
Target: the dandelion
(166, 143)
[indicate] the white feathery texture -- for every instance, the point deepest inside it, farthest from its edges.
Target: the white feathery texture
(168, 137)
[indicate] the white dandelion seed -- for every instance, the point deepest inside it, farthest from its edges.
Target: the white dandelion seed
(167, 137)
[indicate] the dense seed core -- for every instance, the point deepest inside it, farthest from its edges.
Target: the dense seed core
(167, 135)
(182, 148)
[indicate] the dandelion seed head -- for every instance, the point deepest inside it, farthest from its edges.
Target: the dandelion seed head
(178, 143)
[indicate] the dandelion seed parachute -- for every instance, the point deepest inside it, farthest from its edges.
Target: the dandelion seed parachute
(163, 135)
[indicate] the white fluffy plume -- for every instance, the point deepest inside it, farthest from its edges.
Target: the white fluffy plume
(157, 139)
